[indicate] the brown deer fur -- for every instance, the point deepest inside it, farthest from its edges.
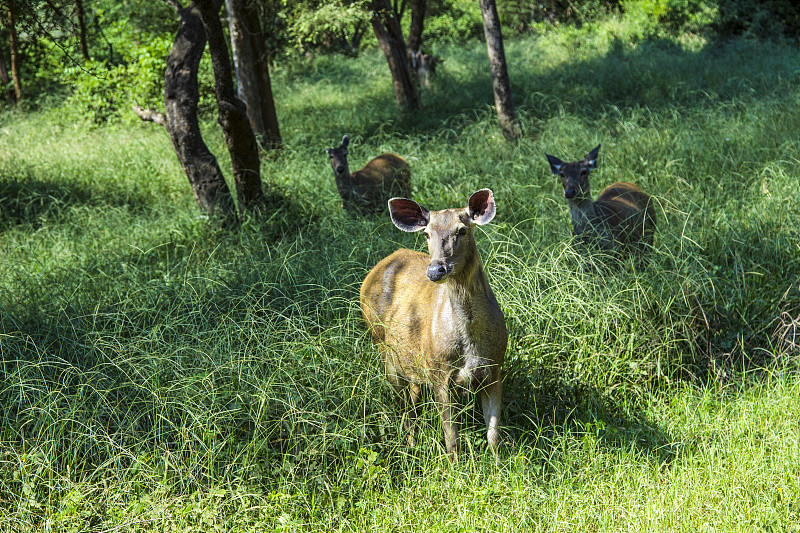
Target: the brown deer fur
(368, 189)
(434, 317)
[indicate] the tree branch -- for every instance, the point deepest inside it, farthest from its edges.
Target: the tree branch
(148, 115)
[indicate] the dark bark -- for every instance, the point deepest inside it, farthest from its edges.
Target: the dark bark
(252, 72)
(239, 136)
(497, 60)
(181, 95)
(390, 36)
(80, 15)
(5, 79)
(418, 8)
(15, 57)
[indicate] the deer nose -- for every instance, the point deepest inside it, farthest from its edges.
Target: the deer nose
(437, 271)
(569, 193)
(340, 169)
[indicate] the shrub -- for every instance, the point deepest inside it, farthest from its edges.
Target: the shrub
(105, 93)
(759, 18)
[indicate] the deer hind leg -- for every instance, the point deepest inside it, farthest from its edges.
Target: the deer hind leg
(491, 399)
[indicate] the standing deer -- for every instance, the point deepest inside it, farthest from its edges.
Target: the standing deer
(424, 65)
(622, 218)
(369, 188)
(434, 318)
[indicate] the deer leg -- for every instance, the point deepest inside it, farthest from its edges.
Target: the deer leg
(447, 413)
(414, 392)
(491, 398)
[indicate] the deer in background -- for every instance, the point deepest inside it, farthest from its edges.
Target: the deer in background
(434, 317)
(368, 189)
(424, 65)
(621, 219)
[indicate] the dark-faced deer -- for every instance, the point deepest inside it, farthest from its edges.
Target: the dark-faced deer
(434, 318)
(621, 219)
(368, 189)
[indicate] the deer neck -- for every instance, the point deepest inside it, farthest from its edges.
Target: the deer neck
(469, 285)
(583, 212)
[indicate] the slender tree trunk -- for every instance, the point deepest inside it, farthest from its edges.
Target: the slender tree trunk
(237, 42)
(418, 8)
(5, 79)
(271, 136)
(252, 72)
(390, 36)
(181, 95)
(82, 29)
(239, 136)
(497, 60)
(15, 58)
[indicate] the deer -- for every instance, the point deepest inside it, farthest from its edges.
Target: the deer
(622, 219)
(369, 188)
(424, 65)
(434, 318)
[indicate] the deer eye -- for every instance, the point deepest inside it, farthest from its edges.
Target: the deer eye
(462, 230)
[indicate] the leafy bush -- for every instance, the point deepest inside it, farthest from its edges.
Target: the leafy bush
(105, 93)
(519, 15)
(759, 18)
(658, 17)
(453, 21)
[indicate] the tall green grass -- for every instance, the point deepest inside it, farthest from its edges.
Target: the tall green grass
(162, 374)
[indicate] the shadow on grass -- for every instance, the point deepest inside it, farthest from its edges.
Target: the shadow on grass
(540, 416)
(656, 74)
(27, 199)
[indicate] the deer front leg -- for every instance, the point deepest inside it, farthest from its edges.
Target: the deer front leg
(491, 399)
(414, 392)
(447, 413)
(408, 395)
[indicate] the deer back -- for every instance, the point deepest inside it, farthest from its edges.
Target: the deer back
(628, 211)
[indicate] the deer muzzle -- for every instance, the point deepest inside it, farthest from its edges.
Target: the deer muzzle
(438, 270)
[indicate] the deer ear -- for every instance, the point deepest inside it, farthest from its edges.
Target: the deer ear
(591, 159)
(555, 163)
(408, 215)
(481, 207)
(345, 141)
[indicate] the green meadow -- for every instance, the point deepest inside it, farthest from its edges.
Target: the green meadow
(160, 373)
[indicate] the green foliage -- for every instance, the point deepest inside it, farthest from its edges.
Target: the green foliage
(106, 93)
(521, 15)
(759, 18)
(326, 25)
(453, 21)
(670, 17)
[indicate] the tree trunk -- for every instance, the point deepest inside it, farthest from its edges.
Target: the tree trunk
(497, 59)
(237, 42)
(252, 72)
(417, 21)
(390, 36)
(79, 12)
(239, 136)
(15, 58)
(5, 79)
(181, 95)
